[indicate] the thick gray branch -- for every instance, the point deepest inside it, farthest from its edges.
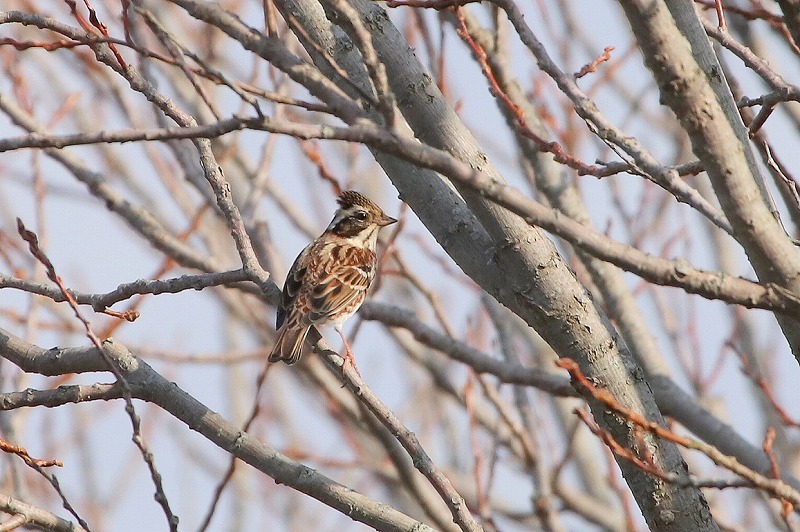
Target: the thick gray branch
(148, 385)
(690, 81)
(525, 272)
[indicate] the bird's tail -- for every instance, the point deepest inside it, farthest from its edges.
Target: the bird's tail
(289, 346)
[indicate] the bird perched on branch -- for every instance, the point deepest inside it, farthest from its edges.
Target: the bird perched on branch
(329, 279)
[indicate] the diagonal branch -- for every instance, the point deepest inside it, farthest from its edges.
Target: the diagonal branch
(138, 439)
(148, 385)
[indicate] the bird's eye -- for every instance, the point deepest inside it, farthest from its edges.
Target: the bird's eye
(360, 215)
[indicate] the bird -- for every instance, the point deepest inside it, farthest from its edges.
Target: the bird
(329, 279)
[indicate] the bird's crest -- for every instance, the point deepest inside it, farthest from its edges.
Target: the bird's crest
(349, 198)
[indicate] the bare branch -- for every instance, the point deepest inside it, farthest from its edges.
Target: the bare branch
(148, 385)
(36, 517)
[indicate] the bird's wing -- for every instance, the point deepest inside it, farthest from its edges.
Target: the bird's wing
(343, 285)
(293, 284)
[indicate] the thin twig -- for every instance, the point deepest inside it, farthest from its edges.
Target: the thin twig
(10, 448)
(138, 439)
(774, 487)
(101, 302)
(461, 514)
(232, 464)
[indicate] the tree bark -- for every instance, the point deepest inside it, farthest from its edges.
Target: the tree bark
(691, 83)
(536, 283)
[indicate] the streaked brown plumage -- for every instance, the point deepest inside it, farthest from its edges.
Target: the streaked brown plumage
(329, 280)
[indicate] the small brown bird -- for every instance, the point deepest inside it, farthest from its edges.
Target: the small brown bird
(329, 279)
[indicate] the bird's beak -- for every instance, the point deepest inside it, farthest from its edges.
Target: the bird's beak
(386, 220)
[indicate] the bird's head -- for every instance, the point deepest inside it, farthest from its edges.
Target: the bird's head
(358, 218)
